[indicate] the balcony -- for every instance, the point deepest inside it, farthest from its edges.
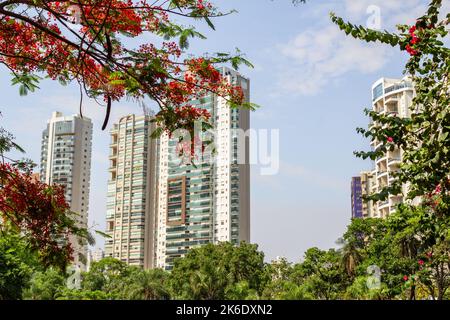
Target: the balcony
(392, 112)
(391, 100)
(379, 160)
(383, 204)
(113, 169)
(395, 200)
(378, 144)
(392, 179)
(394, 160)
(373, 143)
(382, 174)
(113, 156)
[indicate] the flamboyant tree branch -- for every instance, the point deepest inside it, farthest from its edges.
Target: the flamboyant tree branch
(38, 37)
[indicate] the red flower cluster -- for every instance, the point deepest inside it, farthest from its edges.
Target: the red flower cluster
(191, 113)
(414, 41)
(437, 190)
(434, 198)
(203, 6)
(183, 117)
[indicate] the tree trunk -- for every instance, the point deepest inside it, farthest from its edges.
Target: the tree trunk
(412, 295)
(440, 281)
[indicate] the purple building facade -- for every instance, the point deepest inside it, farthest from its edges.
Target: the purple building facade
(357, 203)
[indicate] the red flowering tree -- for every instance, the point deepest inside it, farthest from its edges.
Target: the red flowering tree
(84, 41)
(36, 211)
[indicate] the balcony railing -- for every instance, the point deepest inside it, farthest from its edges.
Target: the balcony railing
(395, 87)
(394, 160)
(392, 112)
(382, 204)
(381, 173)
(391, 99)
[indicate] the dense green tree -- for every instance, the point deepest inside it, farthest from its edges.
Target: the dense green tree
(359, 290)
(323, 273)
(210, 271)
(360, 234)
(46, 285)
(422, 236)
(116, 280)
(146, 285)
(16, 266)
(241, 291)
(279, 269)
(74, 294)
(107, 275)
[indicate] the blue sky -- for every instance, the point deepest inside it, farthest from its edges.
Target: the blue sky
(312, 82)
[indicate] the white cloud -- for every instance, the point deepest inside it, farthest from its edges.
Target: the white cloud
(323, 55)
(318, 57)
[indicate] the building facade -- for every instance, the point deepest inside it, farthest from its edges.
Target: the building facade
(392, 97)
(208, 202)
(94, 256)
(66, 160)
(361, 186)
(357, 203)
(132, 186)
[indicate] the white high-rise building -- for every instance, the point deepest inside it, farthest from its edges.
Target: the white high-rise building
(131, 197)
(392, 97)
(66, 161)
(208, 202)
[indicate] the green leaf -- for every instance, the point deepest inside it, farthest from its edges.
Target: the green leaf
(103, 234)
(157, 133)
(210, 24)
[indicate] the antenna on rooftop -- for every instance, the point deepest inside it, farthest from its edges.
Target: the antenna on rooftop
(145, 109)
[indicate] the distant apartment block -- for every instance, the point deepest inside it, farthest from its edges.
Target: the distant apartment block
(94, 256)
(98, 254)
(66, 161)
(131, 198)
(208, 202)
(357, 211)
(361, 187)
